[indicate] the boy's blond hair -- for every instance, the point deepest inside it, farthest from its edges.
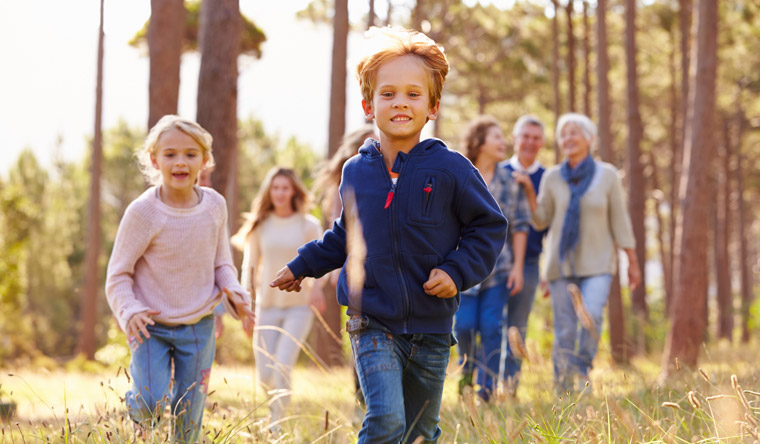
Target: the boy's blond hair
(194, 130)
(391, 42)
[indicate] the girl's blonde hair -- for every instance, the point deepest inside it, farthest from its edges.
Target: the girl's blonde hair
(150, 147)
(262, 205)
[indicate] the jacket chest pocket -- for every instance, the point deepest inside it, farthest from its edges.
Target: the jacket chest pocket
(430, 196)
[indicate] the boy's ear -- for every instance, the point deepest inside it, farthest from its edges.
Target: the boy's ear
(367, 107)
(433, 113)
(153, 161)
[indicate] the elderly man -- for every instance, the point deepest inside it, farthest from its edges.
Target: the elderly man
(528, 137)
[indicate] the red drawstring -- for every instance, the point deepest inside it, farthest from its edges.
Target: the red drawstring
(388, 199)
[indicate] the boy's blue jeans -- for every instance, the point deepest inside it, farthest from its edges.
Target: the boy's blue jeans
(482, 312)
(402, 380)
(517, 311)
(574, 347)
(192, 348)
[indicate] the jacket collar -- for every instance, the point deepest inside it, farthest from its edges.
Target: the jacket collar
(371, 147)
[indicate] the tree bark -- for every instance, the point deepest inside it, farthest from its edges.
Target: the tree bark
(165, 30)
(675, 156)
(603, 84)
(722, 235)
(635, 170)
(555, 73)
(570, 58)
(686, 10)
(371, 16)
(337, 124)
(618, 344)
(89, 308)
(688, 316)
(586, 63)
(744, 235)
(659, 199)
(220, 31)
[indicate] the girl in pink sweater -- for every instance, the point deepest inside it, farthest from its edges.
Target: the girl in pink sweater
(171, 265)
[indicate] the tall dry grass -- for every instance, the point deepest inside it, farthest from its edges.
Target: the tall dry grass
(716, 403)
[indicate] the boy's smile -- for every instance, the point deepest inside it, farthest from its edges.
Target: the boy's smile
(401, 102)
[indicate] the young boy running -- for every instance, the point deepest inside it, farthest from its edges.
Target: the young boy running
(431, 228)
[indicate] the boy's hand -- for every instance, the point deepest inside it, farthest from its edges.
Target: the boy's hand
(440, 284)
(137, 323)
(515, 281)
(284, 280)
(243, 310)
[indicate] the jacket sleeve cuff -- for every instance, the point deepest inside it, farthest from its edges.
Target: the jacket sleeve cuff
(454, 275)
(298, 267)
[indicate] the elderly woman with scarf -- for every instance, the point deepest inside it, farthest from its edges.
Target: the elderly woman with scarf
(583, 204)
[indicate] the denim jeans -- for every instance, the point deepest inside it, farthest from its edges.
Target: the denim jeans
(192, 348)
(277, 338)
(481, 312)
(402, 379)
(574, 346)
(516, 312)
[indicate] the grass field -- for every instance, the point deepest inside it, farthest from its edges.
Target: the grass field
(626, 405)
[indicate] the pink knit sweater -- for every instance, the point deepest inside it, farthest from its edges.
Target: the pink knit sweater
(172, 260)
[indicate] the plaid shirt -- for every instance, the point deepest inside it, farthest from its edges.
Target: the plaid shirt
(513, 204)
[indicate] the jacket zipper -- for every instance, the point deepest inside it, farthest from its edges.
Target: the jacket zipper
(394, 235)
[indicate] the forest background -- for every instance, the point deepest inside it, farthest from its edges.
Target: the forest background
(673, 86)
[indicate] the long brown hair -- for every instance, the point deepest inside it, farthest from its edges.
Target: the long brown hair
(262, 206)
(328, 178)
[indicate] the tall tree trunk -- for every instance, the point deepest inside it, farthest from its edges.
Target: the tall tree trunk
(675, 156)
(659, 199)
(603, 84)
(744, 235)
(570, 58)
(371, 16)
(327, 349)
(338, 80)
(635, 173)
(418, 14)
(165, 30)
(686, 10)
(722, 237)
(89, 308)
(220, 31)
(555, 73)
(618, 344)
(389, 13)
(586, 62)
(688, 318)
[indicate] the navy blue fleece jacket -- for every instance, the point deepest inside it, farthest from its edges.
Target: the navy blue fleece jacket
(441, 216)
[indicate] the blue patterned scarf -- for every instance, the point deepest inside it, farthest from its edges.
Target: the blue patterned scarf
(578, 179)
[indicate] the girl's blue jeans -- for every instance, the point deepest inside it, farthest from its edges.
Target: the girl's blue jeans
(192, 348)
(402, 380)
(574, 346)
(481, 311)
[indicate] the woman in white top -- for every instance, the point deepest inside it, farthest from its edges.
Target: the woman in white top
(274, 229)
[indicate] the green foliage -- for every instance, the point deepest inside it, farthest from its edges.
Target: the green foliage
(260, 151)
(251, 39)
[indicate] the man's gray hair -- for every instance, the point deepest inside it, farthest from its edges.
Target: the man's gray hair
(527, 119)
